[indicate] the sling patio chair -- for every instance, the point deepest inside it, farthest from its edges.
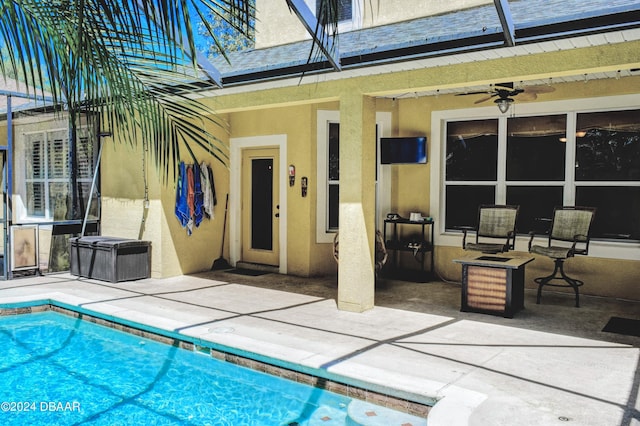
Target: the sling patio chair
(495, 230)
(568, 236)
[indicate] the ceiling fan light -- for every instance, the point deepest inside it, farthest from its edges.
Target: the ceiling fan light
(504, 104)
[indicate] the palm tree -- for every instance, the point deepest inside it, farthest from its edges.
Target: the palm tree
(130, 62)
(122, 61)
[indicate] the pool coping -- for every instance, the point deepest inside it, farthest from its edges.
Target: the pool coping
(275, 367)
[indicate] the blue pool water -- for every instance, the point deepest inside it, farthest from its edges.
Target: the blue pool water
(58, 370)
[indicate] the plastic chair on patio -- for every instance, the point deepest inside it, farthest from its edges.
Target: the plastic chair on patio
(495, 223)
(568, 236)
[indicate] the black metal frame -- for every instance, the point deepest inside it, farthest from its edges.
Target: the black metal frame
(559, 262)
(571, 282)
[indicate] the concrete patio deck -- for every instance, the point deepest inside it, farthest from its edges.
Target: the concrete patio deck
(550, 365)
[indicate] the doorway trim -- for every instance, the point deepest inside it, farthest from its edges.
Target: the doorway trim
(235, 186)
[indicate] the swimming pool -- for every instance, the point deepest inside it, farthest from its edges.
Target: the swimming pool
(59, 370)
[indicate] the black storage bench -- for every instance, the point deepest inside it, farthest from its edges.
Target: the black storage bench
(110, 258)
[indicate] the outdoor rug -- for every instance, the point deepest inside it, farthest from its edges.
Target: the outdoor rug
(630, 327)
(248, 272)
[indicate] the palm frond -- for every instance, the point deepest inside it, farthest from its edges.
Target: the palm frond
(131, 62)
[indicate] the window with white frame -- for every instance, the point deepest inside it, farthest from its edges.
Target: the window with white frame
(328, 174)
(46, 192)
(333, 176)
(542, 161)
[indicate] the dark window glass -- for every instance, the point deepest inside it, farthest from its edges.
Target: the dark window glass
(472, 150)
(535, 202)
(261, 204)
(608, 146)
(536, 148)
(334, 151)
(334, 176)
(334, 204)
(463, 202)
(618, 214)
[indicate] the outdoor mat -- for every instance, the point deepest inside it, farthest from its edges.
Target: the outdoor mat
(249, 272)
(630, 327)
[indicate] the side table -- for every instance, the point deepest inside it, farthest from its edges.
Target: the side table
(493, 284)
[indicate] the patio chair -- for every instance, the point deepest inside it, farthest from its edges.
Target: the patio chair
(495, 223)
(568, 236)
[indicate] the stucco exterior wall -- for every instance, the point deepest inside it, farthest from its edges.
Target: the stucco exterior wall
(3, 133)
(298, 124)
(389, 11)
(288, 30)
(124, 213)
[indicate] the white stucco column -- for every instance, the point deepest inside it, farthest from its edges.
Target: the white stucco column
(356, 273)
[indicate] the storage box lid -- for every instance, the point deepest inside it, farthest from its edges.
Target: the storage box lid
(110, 242)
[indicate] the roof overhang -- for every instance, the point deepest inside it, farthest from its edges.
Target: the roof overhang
(535, 33)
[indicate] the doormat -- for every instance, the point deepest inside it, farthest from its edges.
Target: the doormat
(249, 272)
(630, 327)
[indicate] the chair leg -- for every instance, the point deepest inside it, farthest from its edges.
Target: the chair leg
(571, 282)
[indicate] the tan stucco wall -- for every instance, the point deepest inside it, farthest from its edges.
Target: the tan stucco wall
(289, 28)
(298, 123)
(123, 211)
(389, 11)
(3, 133)
(410, 185)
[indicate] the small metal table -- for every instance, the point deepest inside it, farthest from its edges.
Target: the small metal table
(493, 284)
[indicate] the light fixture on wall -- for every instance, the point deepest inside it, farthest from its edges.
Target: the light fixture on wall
(503, 104)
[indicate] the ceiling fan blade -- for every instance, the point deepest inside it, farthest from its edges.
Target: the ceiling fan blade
(543, 88)
(528, 96)
(486, 98)
(479, 92)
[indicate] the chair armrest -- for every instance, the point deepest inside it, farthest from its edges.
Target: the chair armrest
(532, 235)
(511, 241)
(464, 230)
(539, 228)
(580, 238)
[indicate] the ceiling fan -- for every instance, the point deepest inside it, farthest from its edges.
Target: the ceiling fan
(505, 92)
